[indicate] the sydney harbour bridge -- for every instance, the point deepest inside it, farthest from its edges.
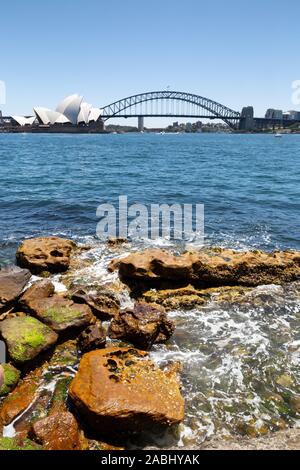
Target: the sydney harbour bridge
(186, 105)
(163, 104)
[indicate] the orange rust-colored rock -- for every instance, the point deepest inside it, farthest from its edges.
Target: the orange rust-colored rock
(59, 431)
(20, 398)
(120, 389)
(45, 254)
(208, 268)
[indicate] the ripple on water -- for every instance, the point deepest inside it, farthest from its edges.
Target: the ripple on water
(240, 365)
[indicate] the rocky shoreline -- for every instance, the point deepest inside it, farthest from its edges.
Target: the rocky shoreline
(78, 374)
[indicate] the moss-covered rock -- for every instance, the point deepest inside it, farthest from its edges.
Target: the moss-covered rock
(56, 311)
(26, 337)
(9, 443)
(11, 378)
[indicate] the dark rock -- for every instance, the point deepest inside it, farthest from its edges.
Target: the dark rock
(142, 326)
(92, 338)
(12, 282)
(104, 303)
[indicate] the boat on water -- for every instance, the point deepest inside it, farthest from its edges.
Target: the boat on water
(278, 135)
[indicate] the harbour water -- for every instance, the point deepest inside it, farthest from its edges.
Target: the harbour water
(240, 360)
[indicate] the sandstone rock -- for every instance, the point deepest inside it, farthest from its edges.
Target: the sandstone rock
(12, 282)
(93, 337)
(120, 389)
(208, 268)
(58, 432)
(19, 400)
(104, 303)
(142, 326)
(186, 298)
(9, 377)
(54, 310)
(45, 254)
(26, 337)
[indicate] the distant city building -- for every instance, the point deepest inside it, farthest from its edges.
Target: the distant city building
(291, 115)
(274, 114)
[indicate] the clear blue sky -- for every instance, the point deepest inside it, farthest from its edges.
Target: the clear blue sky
(235, 52)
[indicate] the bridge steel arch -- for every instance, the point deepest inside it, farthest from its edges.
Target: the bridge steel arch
(212, 109)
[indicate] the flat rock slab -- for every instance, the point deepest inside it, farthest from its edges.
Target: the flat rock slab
(208, 268)
(120, 389)
(26, 337)
(58, 312)
(50, 254)
(12, 282)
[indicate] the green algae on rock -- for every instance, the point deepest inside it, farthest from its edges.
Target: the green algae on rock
(56, 311)
(14, 443)
(11, 378)
(26, 337)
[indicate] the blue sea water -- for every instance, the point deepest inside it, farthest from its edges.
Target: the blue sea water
(249, 184)
(236, 356)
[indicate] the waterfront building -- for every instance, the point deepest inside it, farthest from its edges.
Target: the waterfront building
(274, 114)
(71, 110)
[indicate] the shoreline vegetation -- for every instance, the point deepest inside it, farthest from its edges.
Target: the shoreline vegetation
(80, 373)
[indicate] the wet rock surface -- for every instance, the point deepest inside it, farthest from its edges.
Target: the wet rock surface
(23, 395)
(60, 431)
(142, 326)
(235, 346)
(12, 282)
(45, 254)
(120, 389)
(56, 311)
(103, 302)
(13, 444)
(26, 337)
(9, 377)
(208, 268)
(92, 338)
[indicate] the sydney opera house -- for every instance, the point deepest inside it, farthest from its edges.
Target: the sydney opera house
(72, 114)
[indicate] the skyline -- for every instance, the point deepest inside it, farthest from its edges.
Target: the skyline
(236, 56)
